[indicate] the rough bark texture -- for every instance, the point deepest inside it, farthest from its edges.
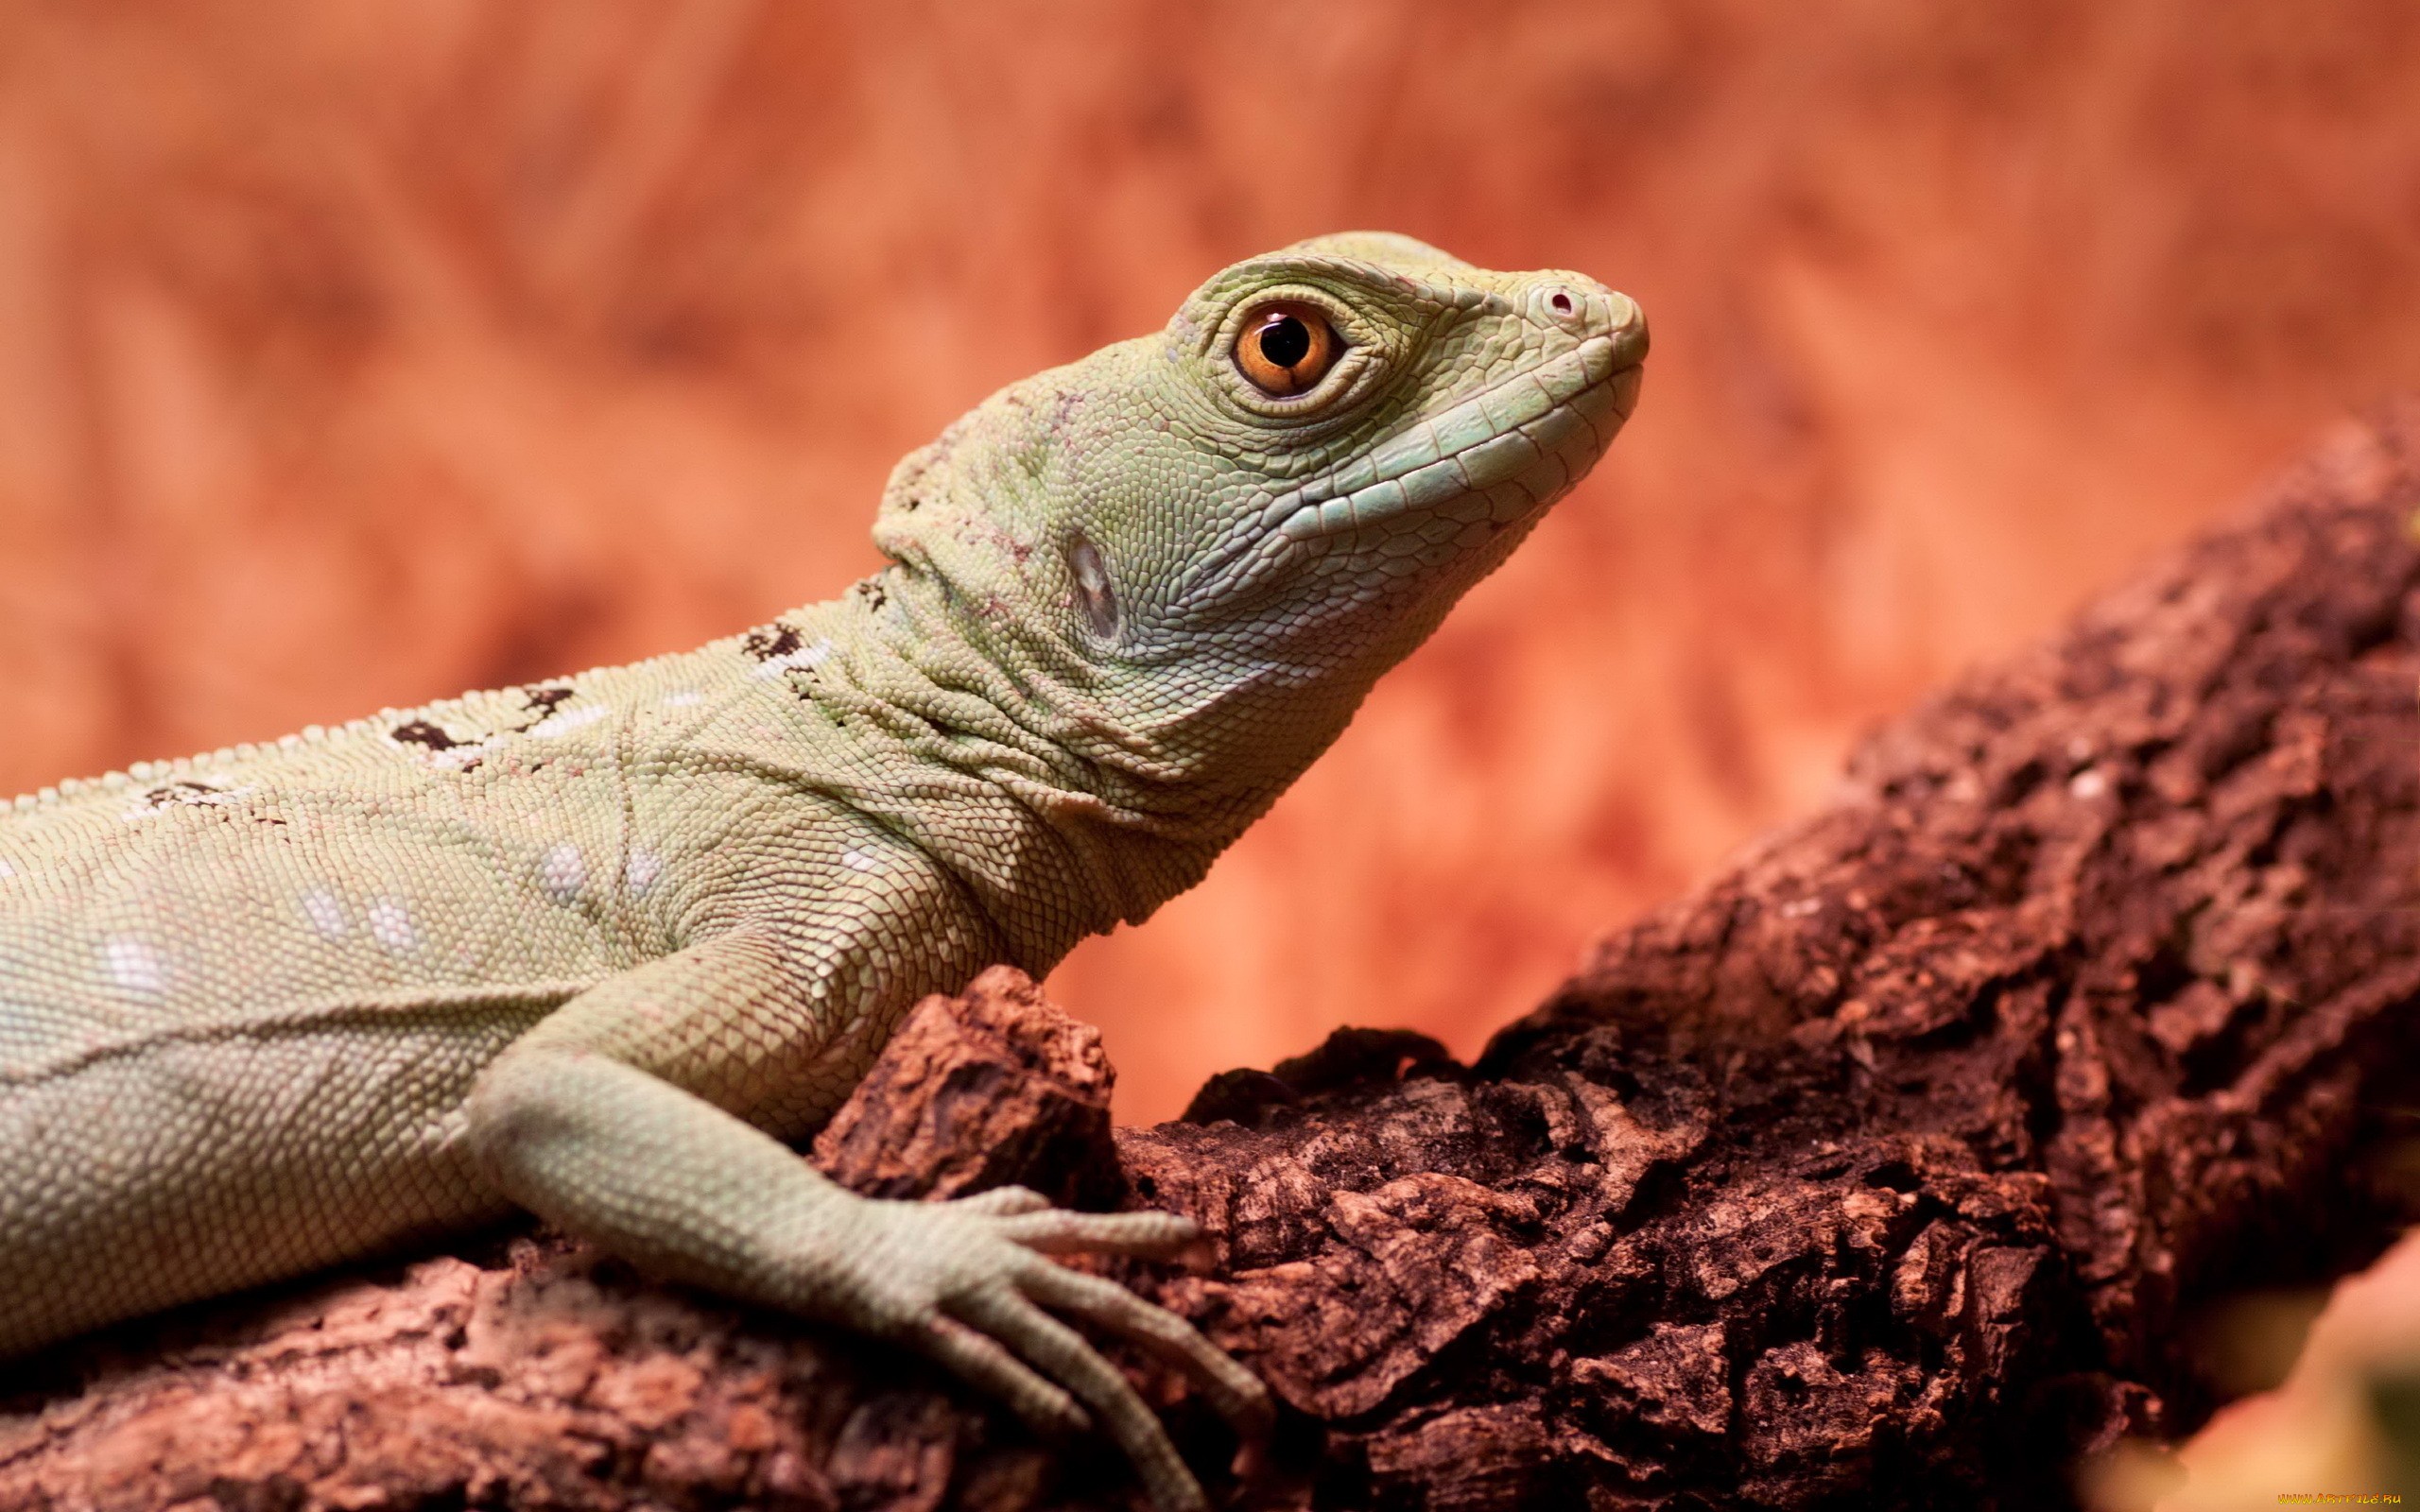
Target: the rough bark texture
(991, 1089)
(1882, 1171)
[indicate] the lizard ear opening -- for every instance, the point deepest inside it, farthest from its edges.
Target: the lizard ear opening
(1094, 595)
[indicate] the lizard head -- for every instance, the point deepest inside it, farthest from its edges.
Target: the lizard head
(1278, 497)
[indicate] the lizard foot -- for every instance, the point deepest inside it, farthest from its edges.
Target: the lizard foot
(966, 1283)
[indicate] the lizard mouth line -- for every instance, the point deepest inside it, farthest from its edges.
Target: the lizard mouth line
(1520, 444)
(1476, 467)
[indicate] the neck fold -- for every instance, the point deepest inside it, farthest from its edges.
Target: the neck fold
(997, 755)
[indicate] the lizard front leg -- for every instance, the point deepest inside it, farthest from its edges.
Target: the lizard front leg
(586, 1120)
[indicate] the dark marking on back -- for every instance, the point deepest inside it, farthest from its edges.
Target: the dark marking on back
(543, 702)
(185, 791)
(768, 643)
(421, 732)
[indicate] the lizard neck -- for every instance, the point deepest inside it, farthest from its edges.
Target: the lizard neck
(1005, 758)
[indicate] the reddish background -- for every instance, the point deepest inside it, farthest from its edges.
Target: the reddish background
(357, 354)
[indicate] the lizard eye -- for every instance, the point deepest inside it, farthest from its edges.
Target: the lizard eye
(1287, 347)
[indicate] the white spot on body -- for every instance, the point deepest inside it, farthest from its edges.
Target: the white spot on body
(682, 697)
(6, 870)
(569, 719)
(806, 656)
(2088, 784)
(132, 964)
(562, 872)
(857, 859)
(640, 871)
(390, 925)
(326, 913)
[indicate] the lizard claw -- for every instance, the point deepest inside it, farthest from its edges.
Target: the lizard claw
(988, 1282)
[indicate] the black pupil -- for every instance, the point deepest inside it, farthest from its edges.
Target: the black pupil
(1285, 341)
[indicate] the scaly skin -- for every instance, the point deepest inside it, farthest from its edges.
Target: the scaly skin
(595, 948)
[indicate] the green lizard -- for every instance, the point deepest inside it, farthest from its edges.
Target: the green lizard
(596, 947)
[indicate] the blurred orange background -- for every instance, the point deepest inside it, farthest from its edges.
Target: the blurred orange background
(354, 355)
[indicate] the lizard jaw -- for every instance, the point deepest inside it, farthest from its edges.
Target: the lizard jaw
(1490, 461)
(1521, 443)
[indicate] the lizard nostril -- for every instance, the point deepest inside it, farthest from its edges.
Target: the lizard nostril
(1561, 301)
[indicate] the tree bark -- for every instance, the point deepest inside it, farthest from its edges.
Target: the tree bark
(1886, 1169)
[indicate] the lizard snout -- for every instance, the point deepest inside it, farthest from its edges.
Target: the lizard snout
(1579, 304)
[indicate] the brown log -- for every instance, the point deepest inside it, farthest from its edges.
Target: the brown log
(1883, 1171)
